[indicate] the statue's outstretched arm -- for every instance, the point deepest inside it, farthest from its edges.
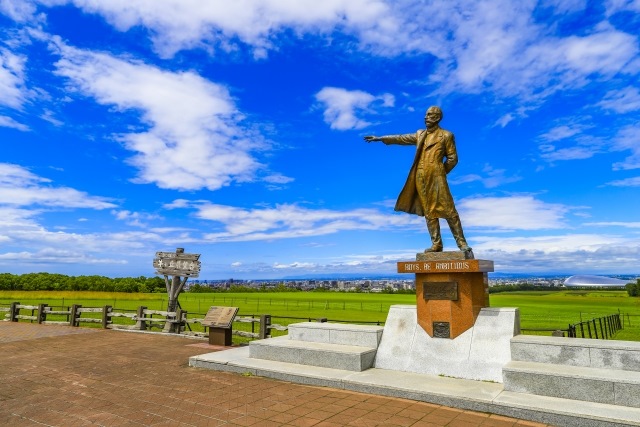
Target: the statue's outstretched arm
(406, 139)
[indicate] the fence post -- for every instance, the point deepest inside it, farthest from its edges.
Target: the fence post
(595, 328)
(106, 316)
(141, 325)
(42, 314)
(14, 311)
(620, 321)
(73, 315)
(180, 318)
(265, 326)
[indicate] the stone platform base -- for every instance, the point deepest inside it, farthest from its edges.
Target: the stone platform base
(477, 354)
(464, 394)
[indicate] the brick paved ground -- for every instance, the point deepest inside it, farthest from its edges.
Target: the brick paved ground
(64, 376)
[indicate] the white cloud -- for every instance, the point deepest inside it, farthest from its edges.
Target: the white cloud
(193, 139)
(25, 196)
(613, 224)
(292, 221)
(56, 256)
(569, 253)
(13, 92)
(8, 122)
(570, 142)
(551, 153)
(48, 117)
(549, 244)
(579, 144)
(499, 46)
(599, 258)
(343, 106)
(562, 132)
(295, 265)
(627, 182)
(628, 139)
(278, 179)
(185, 24)
(493, 178)
(504, 120)
(615, 6)
(623, 100)
(179, 204)
(20, 187)
(18, 10)
(496, 46)
(25, 240)
(511, 213)
(565, 6)
(136, 219)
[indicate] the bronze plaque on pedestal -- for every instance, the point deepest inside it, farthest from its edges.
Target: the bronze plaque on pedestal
(220, 317)
(440, 291)
(441, 330)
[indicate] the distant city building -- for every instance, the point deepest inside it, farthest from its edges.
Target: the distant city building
(582, 281)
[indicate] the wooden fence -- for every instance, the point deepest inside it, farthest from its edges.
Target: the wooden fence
(141, 320)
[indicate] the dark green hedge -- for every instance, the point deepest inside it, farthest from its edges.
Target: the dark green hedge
(61, 282)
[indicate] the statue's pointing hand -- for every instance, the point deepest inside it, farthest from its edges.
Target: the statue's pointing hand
(371, 138)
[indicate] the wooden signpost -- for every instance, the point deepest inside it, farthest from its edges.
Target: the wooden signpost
(220, 321)
(181, 266)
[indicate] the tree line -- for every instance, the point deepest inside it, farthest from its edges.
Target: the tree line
(633, 289)
(61, 282)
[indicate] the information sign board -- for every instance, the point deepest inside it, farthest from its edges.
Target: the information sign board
(220, 317)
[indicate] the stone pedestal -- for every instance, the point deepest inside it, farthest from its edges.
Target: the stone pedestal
(450, 291)
(477, 354)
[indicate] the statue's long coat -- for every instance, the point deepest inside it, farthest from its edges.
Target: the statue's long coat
(440, 157)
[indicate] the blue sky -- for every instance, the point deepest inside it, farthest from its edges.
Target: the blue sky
(235, 130)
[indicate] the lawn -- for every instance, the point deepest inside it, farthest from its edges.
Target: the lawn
(551, 310)
(559, 309)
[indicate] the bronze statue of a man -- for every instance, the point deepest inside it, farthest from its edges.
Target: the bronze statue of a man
(426, 192)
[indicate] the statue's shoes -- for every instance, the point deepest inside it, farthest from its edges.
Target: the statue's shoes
(433, 249)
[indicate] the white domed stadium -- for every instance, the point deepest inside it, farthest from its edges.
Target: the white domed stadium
(583, 281)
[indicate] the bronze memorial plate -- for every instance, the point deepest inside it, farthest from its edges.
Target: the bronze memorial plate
(220, 317)
(440, 291)
(441, 330)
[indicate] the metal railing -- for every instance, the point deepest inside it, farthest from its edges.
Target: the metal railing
(599, 328)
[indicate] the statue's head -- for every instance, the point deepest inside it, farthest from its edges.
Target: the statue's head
(433, 116)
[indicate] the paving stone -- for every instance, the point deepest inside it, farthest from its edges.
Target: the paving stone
(58, 375)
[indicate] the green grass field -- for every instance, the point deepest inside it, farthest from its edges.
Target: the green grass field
(550, 310)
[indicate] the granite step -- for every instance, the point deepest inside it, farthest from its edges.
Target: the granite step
(610, 386)
(337, 333)
(327, 355)
(591, 353)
